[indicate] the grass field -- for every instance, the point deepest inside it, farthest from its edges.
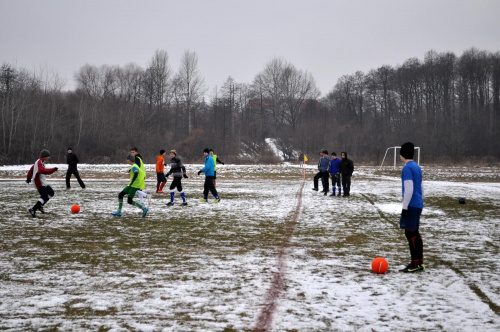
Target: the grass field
(272, 255)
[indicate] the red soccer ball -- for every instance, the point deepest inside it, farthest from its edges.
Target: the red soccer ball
(379, 265)
(75, 208)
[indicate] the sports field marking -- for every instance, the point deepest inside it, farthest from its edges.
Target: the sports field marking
(265, 318)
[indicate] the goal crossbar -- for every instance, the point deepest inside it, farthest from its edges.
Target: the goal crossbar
(395, 160)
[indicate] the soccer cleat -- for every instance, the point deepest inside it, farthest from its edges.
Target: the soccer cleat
(145, 211)
(116, 213)
(325, 193)
(203, 200)
(411, 269)
(170, 203)
(41, 209)
(160, 192)
(217, 200)
(315, 189)
(184, 203)
(332, 194)
(32, 212)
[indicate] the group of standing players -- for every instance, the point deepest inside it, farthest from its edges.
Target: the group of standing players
(339, 170)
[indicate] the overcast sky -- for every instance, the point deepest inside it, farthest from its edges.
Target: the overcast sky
(237, 38)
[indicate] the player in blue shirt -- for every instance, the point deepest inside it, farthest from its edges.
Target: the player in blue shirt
(334, 171)
(413, 203)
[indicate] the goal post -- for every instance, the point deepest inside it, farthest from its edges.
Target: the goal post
(395, 155)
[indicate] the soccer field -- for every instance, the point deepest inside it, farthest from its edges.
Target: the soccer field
(272, 255)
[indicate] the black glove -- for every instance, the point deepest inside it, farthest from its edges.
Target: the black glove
(56, 168)
(185, 176)
(166, 175)
(404, 213)
(199, 172)
(28, 181)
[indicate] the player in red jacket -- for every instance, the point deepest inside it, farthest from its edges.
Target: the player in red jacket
(37, 174)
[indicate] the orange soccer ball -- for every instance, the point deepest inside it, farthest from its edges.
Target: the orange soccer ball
(379, 265)
(75, 208)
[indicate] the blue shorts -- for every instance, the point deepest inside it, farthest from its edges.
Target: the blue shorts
(412, 221)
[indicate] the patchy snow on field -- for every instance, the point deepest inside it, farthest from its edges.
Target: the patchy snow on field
(212, 267)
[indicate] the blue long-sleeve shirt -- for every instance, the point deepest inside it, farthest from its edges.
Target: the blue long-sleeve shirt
(209, 166)
(334, 166)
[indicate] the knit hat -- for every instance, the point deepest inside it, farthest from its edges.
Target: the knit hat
(174, 152)
(44, 153)
(407, 150)
(131, 158)
(70, 149)
(206, 150)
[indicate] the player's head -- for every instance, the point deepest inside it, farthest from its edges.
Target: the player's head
(134, 151)
(130, 159)
(162, 152)
(44, 154)
(407, 150)
(334, 155)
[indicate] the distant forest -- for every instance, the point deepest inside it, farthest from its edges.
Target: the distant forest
(448, 105)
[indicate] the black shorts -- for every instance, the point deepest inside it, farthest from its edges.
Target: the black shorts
(176, 183)
(161, 177)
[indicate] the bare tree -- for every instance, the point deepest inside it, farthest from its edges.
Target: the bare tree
(191, 83)
(269, 85)
(297, 88)
(157, 81)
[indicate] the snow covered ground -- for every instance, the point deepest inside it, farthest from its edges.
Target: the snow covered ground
(217, 267)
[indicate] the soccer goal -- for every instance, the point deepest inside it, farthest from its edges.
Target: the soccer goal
(395, 155)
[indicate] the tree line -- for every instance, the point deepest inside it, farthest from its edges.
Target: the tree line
(448, 105)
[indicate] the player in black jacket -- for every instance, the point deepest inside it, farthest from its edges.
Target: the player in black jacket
(72, 161)
(346, 167)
